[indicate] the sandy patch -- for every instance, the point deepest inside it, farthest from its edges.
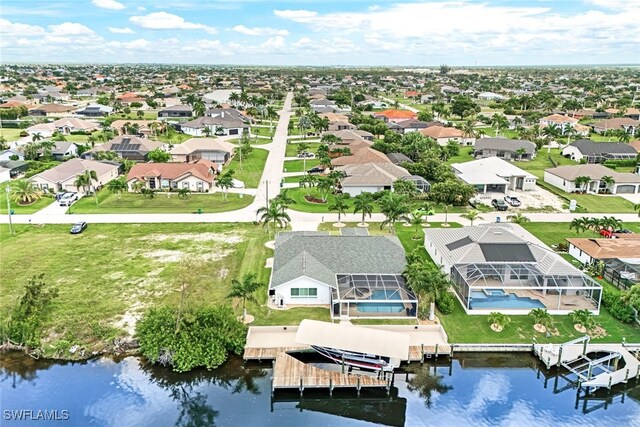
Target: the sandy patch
(130, 318)
(116, 275)
(164, 255)
(223, 273)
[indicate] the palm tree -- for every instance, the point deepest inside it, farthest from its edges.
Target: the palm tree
(583, 318)
(541, 317)
(117, 187)
(578, 224)
(199, 108)
(363, 202)
(636, 207)
(225, 181)
(324, 185)
(498, 320)
(85, 181)
(520, 152)
(307, 181)
(469, 129)
(446, 214)
(608, 181)
(428, 281)
(183, 193)
(339, 205)
(284, 200)
(191, 99)
(245, 290)
(273, 213)
(24, 192)
(415, 218)
(36, 137)
(518, 218)
(394, 206)
(500, 122)
(304, 123)
(472, 215)
(582, 182)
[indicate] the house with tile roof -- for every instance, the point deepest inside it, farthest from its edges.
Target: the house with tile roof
(600, 249)
(443, 135)
(195, 177)
(494, 175)
(395, 116)
(500, 267)
(619, 123)
(212, 149)
(371, 177)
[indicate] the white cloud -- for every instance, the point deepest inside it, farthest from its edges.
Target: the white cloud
(273, 43)
(302, 42)
(142, 8)
(123, 30)
(260, 31)
(296, 15)
(9, 28)
(70, 29)
(168, 21)
(108, 4)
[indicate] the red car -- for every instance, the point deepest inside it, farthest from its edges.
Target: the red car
(606, 233)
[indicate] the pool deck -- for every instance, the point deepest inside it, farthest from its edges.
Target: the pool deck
(266, 342)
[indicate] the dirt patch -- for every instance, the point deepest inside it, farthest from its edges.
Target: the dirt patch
(496, 328)
(315, 200)
(578, 327)
(598, 332)
(223, 273)
(164, 255)
(197, 237)
(540, 328)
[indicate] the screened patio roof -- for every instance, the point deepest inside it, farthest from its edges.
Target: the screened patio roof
(523, 274)
(372, 287)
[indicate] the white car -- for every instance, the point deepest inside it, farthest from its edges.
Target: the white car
(238, 184)
(68, 199)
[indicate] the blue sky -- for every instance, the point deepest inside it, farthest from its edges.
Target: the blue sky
(327, 32)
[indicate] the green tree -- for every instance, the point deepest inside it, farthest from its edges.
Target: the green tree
(498, 319)
(428, 281)
(24, 192)
(518, 218)
(583, 318)
(393, 206)
(225, 182)
(582, 182)
(363, 202)
(339, 205)
(578, 224)
(463, 106)
(541, 317)
(415, 219)
(158, 156)
(183, 193)
(471, 215)
(275, 214)
(117, 187)
(245, 291)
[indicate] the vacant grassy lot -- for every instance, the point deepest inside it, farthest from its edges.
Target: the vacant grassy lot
(250, 171)
(299, 165)
(109, 203)
(292, 148)
(552, 233)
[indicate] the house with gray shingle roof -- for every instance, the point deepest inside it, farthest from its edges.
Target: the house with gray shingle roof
(498, 267)
(598, 152)
(313, 268)
(507, 149)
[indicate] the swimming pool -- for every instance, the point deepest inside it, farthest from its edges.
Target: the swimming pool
(385, 295)
(380, 307)
(482, 301)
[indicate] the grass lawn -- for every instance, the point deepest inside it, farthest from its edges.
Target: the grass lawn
(251, 169)
(292, 148)
(299, 165)
(17, 209)
(292, 178)
(262, 131)
(148, 115)
(552, 233)
(10, 134)
(136, 203)
(594, 203)
(174, 138)
(108, 275)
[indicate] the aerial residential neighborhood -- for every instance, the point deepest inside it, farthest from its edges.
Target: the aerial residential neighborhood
(418, 213)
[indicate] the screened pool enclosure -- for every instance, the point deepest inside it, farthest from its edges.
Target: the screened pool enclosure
(372, 296)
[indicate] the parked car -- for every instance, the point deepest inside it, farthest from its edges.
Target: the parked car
(606, 233)
(78, 227)
(499, 204)
(238, 184)
(68, 199)
(513, 201)
(624, 231)
(315, 170)
(307, 155)
(60, 195)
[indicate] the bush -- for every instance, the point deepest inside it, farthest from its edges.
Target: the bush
(205, 337)
(620, 163)
(618, 309)
(446, 303)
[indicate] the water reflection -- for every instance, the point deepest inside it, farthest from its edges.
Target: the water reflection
(425, 382)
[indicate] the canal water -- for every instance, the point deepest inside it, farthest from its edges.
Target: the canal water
(470, 390)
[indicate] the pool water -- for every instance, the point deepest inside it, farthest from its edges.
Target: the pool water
(385, 295)
(480, 300)
(381, 307)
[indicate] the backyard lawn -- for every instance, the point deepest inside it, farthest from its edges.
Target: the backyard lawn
(173, 138)
(299, 165)
(109, 203)
(262, 131)
(292, 148)
(18, 209)
(251, 169)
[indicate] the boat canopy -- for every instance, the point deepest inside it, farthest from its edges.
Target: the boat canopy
(347, 337)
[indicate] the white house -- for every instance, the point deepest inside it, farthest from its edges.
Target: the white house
(492, 174)
(591, 250)
(5, 174)
(63, 176)
(564, 178)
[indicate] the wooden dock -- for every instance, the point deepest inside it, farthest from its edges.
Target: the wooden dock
(290, 373)
(269, 353)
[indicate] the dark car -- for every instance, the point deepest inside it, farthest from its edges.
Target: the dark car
(307, 155)
(499, 204)
(315, 170)
(513, 201)
(60, 195)
(624, 231)
(78, 227)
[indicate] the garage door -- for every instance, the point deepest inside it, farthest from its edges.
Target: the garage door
(626, 189)
(233, 131)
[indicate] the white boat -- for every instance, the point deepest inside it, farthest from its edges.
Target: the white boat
(364, 361)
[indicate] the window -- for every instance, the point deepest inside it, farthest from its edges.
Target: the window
(185, 185)
(304, 292)
(164, 183)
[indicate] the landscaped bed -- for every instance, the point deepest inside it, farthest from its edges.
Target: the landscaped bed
(17, 208)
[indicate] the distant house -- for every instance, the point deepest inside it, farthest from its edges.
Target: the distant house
(564, 178)
(143, 126)
(128, 147)
(5, 174)
(95, 110)
(196, 177)
(44, 110)
(508, 149)
(341, 125)
(311, 268)
(11, 154)
(620, 123)
(443, 135)
(176, 111)
(16, 167)
(398, 158)
(64, 149)
(374, 177)
(496, 268)
(324, 105)
(219, 121)
(63, 176)
(561, 122)
(490, 96)
(589, 250)
(395, 116)
(361, 154)
(494, 175)
(598, 152)
(66, 126)
(212, 149)
(407, 126)
(348, 136)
